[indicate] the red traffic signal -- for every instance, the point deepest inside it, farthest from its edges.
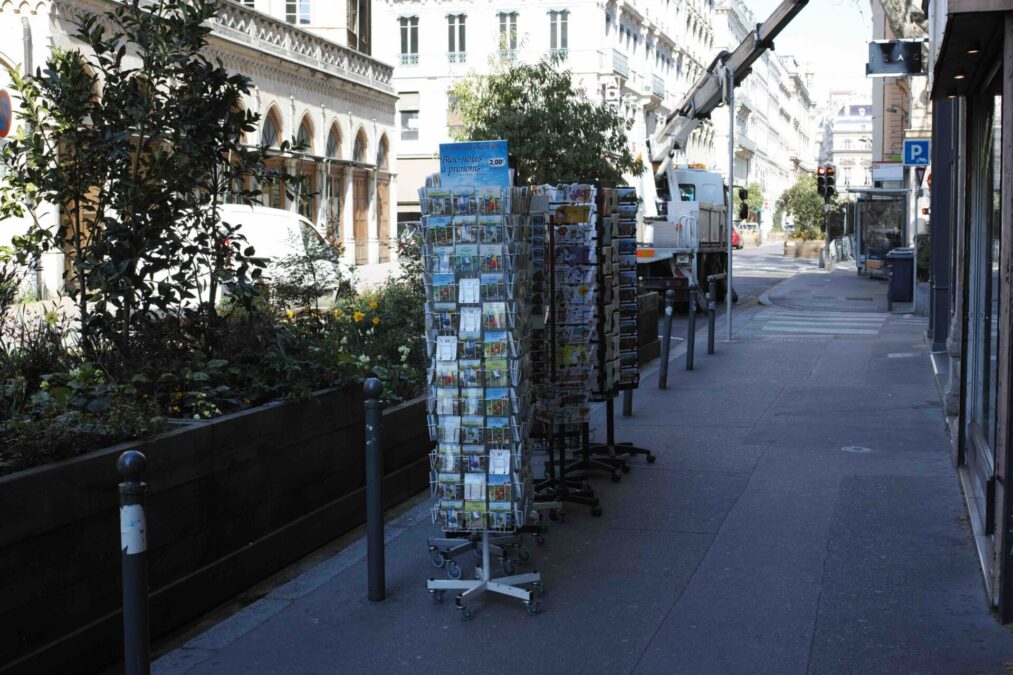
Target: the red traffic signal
(830, 182)
(821, 180)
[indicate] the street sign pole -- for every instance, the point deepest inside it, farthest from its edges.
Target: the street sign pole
(730, 101)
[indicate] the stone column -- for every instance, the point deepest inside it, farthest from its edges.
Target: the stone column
(958, 219)
(348, 216)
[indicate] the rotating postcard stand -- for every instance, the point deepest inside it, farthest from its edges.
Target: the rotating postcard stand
(564, 404)
(477, 278)
(618, 367)
(485, 582)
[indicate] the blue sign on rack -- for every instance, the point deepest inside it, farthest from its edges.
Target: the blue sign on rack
(916, 152)
(476, 163)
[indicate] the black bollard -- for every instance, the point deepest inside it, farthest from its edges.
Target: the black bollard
(712, 310)
(691, 329)
(377, 582)
(132, 466)
(627, 403)
(666, 341)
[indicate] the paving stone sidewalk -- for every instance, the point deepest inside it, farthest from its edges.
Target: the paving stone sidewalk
(802, 517)
(840, 290)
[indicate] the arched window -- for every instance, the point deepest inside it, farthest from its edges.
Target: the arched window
(271, 131)
(333, 143)
(359, 148)
(305, 136)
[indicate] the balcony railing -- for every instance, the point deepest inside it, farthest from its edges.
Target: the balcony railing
(560, 53)
(409, 59)
(620, 64)
(239, 24)
(658, 87)
(457, 57)
(508, 54)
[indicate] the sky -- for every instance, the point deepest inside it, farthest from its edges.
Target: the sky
(832, 36)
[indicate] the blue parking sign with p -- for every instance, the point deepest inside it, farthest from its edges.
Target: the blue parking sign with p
(916, 152)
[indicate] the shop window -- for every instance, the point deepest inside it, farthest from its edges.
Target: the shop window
(409, 40)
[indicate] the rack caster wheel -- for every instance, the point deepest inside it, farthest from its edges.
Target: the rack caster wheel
(437, 596)
(596, 512)
(509, 566)
(534, 607)
(650, 459)
(626, 468)
(523, 554)
(466, 613)
(538, 588)
(454, 570)
(540, 540)
(438, 558)
(616, 477)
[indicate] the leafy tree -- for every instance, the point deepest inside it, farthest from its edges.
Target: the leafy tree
(137, 140)
(805, 206)
(555, 133)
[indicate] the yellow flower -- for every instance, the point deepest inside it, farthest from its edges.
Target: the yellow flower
(373, 304)
(358, 316)
(337, 313)
(290, 314)
(376, 321)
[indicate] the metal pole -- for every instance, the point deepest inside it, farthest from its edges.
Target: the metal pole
(377, 583)
(826, 239)
(730, 100)
(132, 466)
(712, 310)
(691, 328)
(627, 403)
(666, 340)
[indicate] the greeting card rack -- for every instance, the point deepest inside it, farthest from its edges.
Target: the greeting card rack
(477, 264)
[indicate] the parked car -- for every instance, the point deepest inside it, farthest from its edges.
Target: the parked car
(736, 238)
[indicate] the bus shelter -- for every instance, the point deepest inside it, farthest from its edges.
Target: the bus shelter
(880, 226)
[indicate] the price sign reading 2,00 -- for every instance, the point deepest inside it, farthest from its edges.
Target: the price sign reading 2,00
(497, 162)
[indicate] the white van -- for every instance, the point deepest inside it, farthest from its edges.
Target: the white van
(276, 234)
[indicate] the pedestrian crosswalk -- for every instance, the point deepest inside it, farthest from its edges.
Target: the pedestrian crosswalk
(781, 322)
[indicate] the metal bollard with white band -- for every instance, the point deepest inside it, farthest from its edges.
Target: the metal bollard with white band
(666, 342)
(132, 466)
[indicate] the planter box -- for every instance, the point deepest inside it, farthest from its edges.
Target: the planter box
(230, 502)
(803, 249)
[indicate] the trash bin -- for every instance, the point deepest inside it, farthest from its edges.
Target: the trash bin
(901, 262)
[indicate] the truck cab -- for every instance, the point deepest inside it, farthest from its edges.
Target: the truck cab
(688, 239)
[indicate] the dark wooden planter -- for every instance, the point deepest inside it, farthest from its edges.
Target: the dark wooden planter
(648, 346)
(230, 502)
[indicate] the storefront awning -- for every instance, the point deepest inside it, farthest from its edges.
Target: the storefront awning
(971, 48)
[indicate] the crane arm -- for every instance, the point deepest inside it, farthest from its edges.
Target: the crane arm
(706, 94)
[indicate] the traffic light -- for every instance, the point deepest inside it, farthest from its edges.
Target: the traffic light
(831, 182)
(821, 181)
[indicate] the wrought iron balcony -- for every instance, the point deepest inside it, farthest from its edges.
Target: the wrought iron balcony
(620, 64)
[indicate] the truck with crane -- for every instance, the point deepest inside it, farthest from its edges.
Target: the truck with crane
(688, 240)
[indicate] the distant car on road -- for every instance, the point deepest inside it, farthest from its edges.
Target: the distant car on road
(736, 238)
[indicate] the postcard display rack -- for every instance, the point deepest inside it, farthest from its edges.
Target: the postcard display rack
(478, 324)
(616, 319)
(567, 347)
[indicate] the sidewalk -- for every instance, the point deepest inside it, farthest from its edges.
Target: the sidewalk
(802, 516)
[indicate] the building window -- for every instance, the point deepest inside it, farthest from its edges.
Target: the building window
(558, 33)
(409, 125)
(249, 3)
(409, 40)
(297, 11)
(269, 134)
(358, 25)
(333, 144)
(508, 35)
(456, 46)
